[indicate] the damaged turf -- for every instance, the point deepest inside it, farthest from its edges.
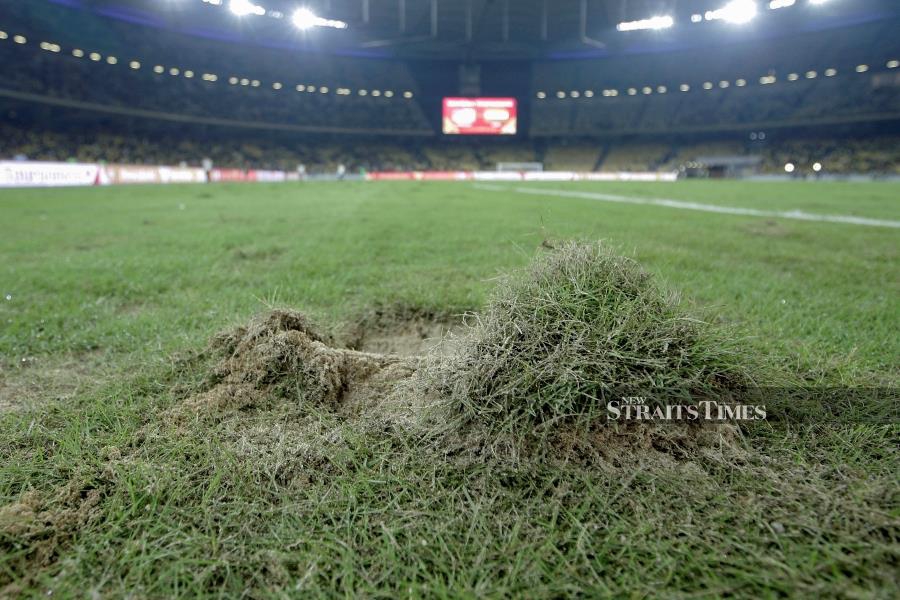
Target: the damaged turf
(282, 355)
(578, 327)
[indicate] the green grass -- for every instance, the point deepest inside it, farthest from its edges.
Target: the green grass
(111, 289)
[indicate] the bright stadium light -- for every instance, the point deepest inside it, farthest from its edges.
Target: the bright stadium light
(830, 72)
(659, 22)
(776, 4)
(893, 64)
(78, 53)
(789, 167)
(684, 87)
(817, 167)
(243, 8)
(304, 19)
(736, 11)
(818, 1)
(862, 68)
(3, 35)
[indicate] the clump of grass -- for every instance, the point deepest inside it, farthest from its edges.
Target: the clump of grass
(579, 325)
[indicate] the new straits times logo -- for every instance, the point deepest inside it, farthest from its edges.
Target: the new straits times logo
(640, 408)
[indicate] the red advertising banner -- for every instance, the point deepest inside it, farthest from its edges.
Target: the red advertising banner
(229, 175)
(480, 116)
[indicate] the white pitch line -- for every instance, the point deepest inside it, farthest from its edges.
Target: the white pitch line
(798, 215)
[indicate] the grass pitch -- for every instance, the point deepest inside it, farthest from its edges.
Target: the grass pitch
(111, 295)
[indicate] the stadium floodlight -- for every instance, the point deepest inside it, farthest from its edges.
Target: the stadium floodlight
(647, 90)
(112, 60)
(78, 53)
(189, 74)
(793, 77)
(789, 167)
(707, 85)
(776, 4)
(662, 89)
(20, 39)
(541, 95)
(560, 94)
(830, 72)
(736, 11)
(94, 56)
(389, 94)
(242, 8)
(654, 23)
(407, 95)
(811, 74)
(158, 69)
(893, 64)
(740, 82)
(134, 65)
(818, 1)
(817, 166)
(862, 68)
(3, 35)
(304, 19)
(684, 87)
(589, 93)
(632, 91)
(696, 18)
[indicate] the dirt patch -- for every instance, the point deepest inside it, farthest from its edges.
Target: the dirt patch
(767, 228)
(35, 529)
(406, 331)
(31, 381)
(282, 355)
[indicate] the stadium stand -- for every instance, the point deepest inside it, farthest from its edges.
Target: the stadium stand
(82, 85)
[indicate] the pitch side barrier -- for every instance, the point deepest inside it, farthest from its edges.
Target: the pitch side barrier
(61, 174)
(516, 176)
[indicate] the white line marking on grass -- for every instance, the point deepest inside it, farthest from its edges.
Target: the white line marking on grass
(798, 215)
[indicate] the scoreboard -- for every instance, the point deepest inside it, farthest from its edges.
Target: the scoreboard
(480, 116)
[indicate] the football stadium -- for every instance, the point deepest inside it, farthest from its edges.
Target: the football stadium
(449, 298)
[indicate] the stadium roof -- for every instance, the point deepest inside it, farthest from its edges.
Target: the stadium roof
(493, 29)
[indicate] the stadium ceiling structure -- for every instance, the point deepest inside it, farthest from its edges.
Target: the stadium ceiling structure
(493, 29)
